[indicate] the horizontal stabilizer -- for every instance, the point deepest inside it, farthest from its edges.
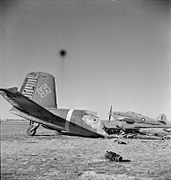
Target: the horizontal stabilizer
(162, 118)
(34, 111)
(13, 89)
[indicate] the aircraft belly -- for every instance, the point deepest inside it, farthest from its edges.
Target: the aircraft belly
(29, 117)
(83, 131)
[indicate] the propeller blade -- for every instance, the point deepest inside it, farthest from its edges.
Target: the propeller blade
(110, 113)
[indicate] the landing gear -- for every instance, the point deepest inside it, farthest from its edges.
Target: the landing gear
(58, 132)
(31, 131)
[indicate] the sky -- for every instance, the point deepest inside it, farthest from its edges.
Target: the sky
(118, 52)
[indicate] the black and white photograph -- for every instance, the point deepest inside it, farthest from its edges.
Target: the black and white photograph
(85, 89)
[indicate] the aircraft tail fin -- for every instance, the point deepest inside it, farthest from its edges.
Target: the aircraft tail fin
(40, 88)
(162, 118)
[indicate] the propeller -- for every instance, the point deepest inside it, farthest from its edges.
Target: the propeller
(110, 113)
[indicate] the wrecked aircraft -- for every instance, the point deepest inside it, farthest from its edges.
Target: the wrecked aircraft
(36, 102)
(132, 121)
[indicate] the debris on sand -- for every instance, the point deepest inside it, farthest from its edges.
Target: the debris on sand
(119, 141)
(113, 156)
(139, 135)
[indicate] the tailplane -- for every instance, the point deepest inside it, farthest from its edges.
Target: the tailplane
(40, 88)
(162, 118)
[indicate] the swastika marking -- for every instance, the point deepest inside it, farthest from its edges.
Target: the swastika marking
(44, 90)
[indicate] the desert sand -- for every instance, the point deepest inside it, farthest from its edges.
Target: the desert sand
(48, 156)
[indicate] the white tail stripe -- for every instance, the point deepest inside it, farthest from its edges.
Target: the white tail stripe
(29, 87)
(29, 90)
(31, 83)
(33, 80)
(32, 76)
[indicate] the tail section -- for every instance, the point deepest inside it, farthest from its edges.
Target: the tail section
(162, 118)
(40, 88)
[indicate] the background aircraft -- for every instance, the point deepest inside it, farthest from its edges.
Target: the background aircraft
(136, 120)
(36, 102)
(132, 117)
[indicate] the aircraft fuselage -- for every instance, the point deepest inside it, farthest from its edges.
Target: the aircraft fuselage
(133, 117)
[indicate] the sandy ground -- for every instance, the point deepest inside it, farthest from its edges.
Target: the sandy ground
(48, 156)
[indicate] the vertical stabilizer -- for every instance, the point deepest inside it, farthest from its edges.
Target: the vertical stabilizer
(40, 88)
(162, 118)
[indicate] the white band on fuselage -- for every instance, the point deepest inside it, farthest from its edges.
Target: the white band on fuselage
(69, 115)
(68, 119)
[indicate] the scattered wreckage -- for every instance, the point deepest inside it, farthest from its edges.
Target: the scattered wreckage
(121, 133)
(112, 156)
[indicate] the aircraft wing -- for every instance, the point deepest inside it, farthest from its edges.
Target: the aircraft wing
(141, 125)
(136, 125)
(31, 110)
(129, 126)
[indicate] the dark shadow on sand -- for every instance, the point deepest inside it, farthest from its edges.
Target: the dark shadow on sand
(125, 160)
